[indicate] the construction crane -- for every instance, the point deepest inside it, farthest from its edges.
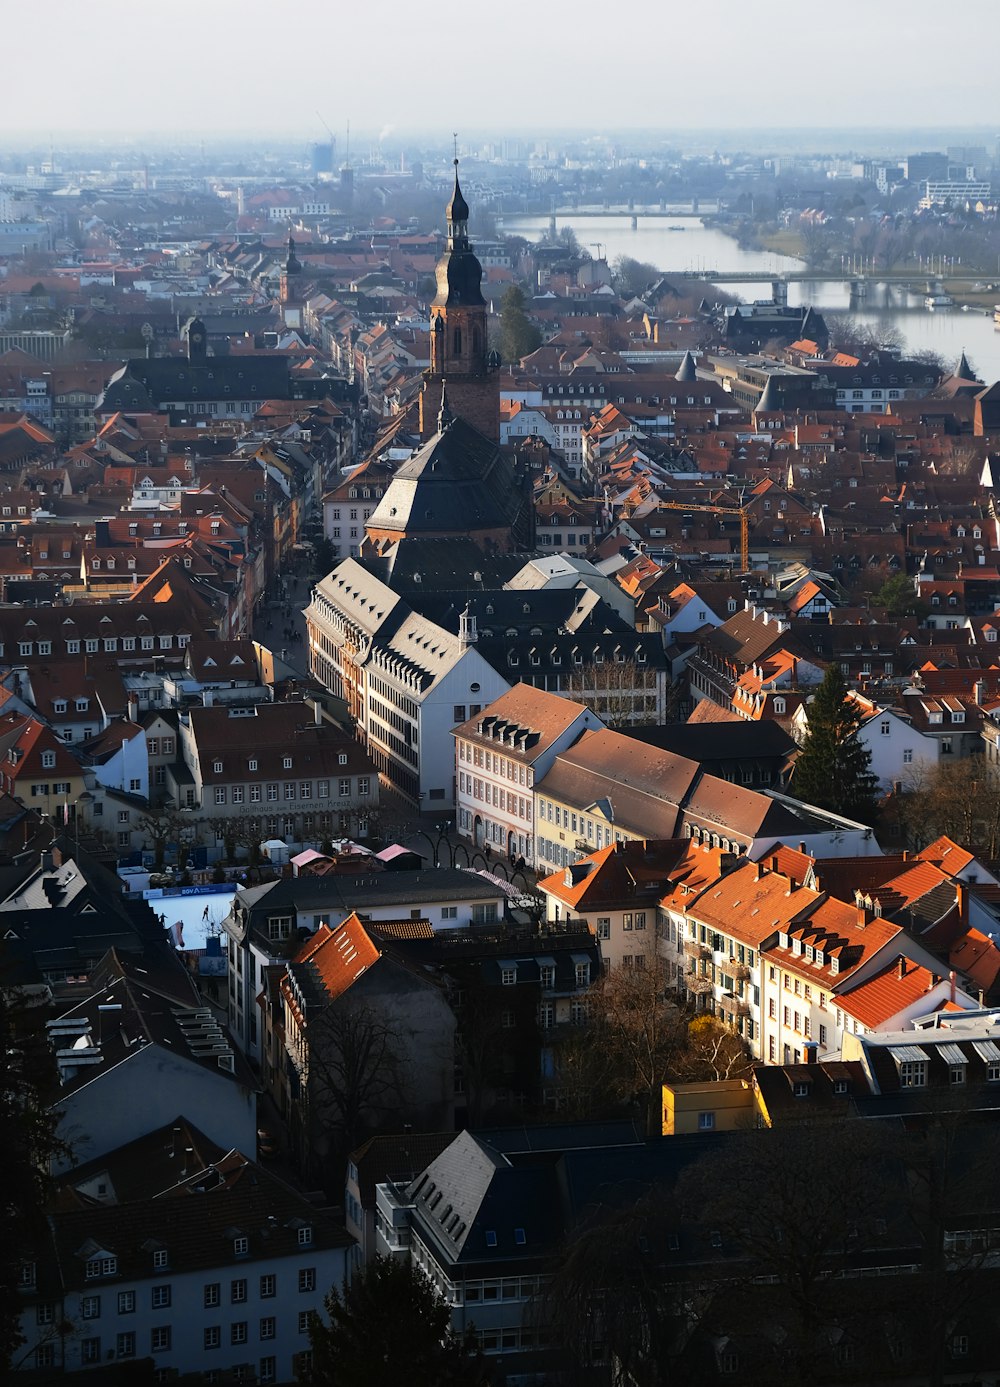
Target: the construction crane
(740, 511)
(599, 247)
(333, 143)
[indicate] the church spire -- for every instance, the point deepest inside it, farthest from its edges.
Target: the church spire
(457, 213)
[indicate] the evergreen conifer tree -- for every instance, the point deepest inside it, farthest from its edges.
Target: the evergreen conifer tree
(388, 1326)
(833, 768)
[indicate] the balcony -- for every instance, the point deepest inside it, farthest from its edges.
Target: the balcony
(694, 949)
(742, 972)
(697, 983)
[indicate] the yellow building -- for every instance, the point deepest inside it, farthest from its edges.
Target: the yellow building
(722, 1106)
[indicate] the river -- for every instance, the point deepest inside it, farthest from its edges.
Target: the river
(948, 332)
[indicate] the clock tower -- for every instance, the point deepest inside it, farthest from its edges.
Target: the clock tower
(458, 354)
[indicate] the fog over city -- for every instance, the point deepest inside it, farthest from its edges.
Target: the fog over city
(213, 68)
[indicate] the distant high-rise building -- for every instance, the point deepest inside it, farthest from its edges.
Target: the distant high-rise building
(323, 158)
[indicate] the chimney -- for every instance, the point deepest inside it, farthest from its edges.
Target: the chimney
(901, 968)
(862, 918)
(317, 713)
(951, 985)
(979, 692)
(962, 901)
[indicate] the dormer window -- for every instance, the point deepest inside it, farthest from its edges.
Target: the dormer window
(306, 1236)
(241, 1246)
(286, 762)
(217, 767)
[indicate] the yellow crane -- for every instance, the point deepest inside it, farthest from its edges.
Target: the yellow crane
(741, 511)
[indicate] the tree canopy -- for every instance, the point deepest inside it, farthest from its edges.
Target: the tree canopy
(518, 335)
(833, 768)
(386, 1326)
(28, 1143)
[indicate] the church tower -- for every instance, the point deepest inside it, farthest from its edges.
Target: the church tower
(458, 352)
(290, 291)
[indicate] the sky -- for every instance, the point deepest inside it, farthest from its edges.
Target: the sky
(206, 67)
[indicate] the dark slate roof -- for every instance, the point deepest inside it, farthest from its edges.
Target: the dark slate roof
(453, 563)
(196, 1223)
(479, 1208)
(146, 383)
(349, 893)
(686, 370)
(456, 483)
(713, 742)
(521, 610)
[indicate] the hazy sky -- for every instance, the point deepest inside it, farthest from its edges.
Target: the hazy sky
(201, 66)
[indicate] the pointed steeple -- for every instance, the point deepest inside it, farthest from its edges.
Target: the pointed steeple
(768, 401)
(457, 213)
(292, 263)
(686, 370)
(445, 415)
(963, 370)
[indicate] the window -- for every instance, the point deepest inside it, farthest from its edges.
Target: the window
(238, 1288)
(238, 1332)
(101, 1266)
(159, 1339)
(125, 1345)
(307, 1279)
(508, 976)
(604, 927)
(305, 1236)
(706, 1122)
(161, 1297)
(268, 1327)
(48, 760)
(90, 1307)
(268, 1370)
(908, 756)
(90, 1350)
(212, 1337)
(268, 1286)
(343, 788)
(305, 1319)
(126, 1302)
(959, 1345)
(913, 1074)
(213, 1294)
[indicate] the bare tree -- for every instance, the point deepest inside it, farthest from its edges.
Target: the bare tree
(638, 1033)
(618, 691)
(958, 798)
(794, 1205)
(609, 1302)
(160, 825)
(352, 1079)
(714, 1051)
